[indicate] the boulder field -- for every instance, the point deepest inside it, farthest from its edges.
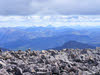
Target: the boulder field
(50, 62)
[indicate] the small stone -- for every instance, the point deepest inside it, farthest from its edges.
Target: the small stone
(3, 72)
(2, 63)
(40, 60)
(18, 71)
(27, 73)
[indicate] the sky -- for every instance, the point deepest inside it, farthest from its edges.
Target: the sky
(49, 12)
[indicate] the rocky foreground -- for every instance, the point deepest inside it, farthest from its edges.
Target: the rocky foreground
(51, 62)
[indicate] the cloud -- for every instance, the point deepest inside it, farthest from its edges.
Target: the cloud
(58, 20)
(49, 7)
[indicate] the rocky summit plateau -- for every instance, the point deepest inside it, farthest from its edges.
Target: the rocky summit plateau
(50, 62)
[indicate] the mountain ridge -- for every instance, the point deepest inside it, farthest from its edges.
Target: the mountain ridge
(75, 45)
(45, 37)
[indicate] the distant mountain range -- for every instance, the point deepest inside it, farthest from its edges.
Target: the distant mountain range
(75, 45)
(39, 38)
(4, 49)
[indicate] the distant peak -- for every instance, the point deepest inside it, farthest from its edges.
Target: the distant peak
(50, 26)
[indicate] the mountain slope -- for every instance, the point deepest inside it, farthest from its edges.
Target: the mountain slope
(44, 42)
(45, 37)
(4, 49)
(11, 34)
(74, 45)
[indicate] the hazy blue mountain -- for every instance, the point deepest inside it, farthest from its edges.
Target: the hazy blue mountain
(75, 45)
(4, 49)
(44, 42)
(15, 33)
(46, 37)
